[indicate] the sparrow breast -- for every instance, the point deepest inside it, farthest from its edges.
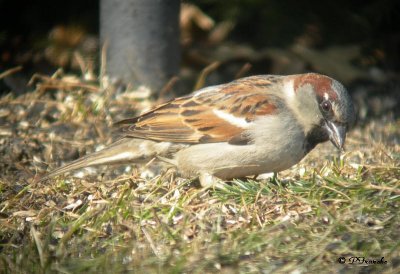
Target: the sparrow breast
(267, 150)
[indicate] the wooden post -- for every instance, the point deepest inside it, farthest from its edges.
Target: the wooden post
(142, 39)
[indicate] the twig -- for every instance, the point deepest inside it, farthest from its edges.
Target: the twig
(167, 88)
(150, 240)
(80, 61)
(383, 188)
(38, 243)
(243, 70)
(10, 71)
(53, 83)
(103, 62)
(204, 73)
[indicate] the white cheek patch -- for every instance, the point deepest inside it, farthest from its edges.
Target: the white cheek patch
(236, 121)
(326, 96)
(288, 89)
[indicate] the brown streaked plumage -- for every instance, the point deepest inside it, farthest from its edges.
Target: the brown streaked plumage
(194, 119)
(250, 126)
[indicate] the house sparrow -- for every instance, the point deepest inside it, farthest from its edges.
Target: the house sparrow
(250, 126)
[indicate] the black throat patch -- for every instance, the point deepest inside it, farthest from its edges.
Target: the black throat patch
(316, 135)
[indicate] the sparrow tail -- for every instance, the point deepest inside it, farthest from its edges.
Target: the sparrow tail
(126, 150)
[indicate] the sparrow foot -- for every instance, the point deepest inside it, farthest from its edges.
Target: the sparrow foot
(207, 180)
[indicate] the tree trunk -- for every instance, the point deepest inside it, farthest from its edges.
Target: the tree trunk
(142, 39)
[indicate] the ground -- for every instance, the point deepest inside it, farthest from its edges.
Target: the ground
(146, 219)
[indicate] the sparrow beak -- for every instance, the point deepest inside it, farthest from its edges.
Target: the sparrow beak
(337, 133)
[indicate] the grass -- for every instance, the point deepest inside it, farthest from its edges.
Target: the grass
(324, 208)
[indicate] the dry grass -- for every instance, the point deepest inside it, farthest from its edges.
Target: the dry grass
(118, 220)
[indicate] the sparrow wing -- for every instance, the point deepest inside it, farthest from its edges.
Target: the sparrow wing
(220, 113)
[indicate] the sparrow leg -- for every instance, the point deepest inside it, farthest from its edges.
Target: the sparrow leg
(275, 177)
(207, 180)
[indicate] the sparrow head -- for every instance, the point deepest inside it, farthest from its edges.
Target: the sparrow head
(326, 108)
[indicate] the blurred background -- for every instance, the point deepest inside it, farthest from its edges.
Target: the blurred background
(356, 42)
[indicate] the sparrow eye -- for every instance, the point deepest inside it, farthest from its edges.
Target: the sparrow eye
(326, 106)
